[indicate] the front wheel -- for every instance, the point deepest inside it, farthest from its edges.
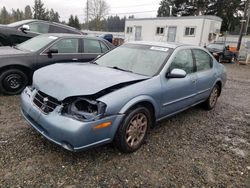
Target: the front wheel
(210, 103)
(13, 81)
(132, 133)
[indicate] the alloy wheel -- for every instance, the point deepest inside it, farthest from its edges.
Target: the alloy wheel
(136, 130)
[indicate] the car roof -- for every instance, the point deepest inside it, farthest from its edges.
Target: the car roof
(55, 23)
(161, 44)
(66, 35)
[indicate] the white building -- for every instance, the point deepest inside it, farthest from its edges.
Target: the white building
(197, 30)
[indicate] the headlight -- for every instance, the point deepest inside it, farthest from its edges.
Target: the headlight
(84, 109)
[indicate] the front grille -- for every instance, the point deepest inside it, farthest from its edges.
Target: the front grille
(45, 102)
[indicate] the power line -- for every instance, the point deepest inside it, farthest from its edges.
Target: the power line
(139, 5)
(122, 13)
(132, 12)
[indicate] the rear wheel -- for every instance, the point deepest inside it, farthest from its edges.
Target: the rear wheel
(132, 133)
(210, 103)
(13, 81)
(220, 58)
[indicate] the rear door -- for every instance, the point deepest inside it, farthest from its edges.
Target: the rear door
(92, 48)
(206, 76)
(179, 93)
(69, 50)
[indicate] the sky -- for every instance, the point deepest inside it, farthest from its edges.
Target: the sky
(139, 8)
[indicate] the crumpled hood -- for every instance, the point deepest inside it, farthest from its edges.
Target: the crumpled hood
(7, 51)
(75, 79)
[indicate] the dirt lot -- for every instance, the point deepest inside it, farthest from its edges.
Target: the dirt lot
(193, 149)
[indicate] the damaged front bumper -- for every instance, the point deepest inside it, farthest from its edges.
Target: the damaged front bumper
(67, 132)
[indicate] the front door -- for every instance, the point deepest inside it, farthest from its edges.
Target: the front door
(179, 93)
(171, 33)
(138, 30)
(68, 51)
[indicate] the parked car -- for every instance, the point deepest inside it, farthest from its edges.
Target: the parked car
(221, 52)
(120, 95)
(108, 37)
(18, 63)
(18, 32)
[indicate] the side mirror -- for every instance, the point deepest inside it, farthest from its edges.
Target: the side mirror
(177, 73)
(52, 51)
(25, 28)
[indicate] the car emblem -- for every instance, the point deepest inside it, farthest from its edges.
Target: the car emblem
(45, 100)
(45, 103)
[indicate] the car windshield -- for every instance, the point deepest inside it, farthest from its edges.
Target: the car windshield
(36, 43)
(216, 46)
(140, 59)
(20, 23)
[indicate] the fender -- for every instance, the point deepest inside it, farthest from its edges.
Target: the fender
(138, 99)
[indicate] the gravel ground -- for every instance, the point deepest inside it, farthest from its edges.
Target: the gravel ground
(193, 149)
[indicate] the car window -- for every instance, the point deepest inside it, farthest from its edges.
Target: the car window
(39, 27)
(67, 46)
(183, 60)
(37, 43)
(92, 46)
(104, 47)
(203, 60)
(141, 59)
(57, 29)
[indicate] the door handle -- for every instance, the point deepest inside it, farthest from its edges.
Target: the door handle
(74, 59)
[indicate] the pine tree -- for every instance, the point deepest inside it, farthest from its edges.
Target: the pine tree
(165, 8)
(77, 23)
(4, 16)
(71, 21)
(53, 16)
(27, 12)
(39, 10)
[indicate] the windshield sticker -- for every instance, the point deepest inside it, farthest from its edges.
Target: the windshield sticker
(52, 37)
(159, 48)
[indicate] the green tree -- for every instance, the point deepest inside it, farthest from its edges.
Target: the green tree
(77, 23)
(54, 16)
(39, 11)
(228, 10)
(17, 15)
(27, 12)
(165, 8)
(71, 21)
(4, 16)
(74, 22)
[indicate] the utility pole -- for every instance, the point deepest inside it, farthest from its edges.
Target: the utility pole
(243, 24)
(87, 15)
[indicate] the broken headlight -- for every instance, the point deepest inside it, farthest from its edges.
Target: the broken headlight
(84, 109)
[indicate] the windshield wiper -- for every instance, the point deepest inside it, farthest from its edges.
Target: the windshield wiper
(15, 47)
(117, 68)
(93, 62)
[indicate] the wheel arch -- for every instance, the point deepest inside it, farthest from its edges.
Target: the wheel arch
(145, 101)
(219, 83)
(23, 68)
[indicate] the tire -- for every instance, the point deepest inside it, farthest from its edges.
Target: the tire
(210, 103)
(131, 134)
(13, 81)
(220, 60)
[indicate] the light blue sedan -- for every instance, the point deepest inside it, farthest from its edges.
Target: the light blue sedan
(118, 97)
